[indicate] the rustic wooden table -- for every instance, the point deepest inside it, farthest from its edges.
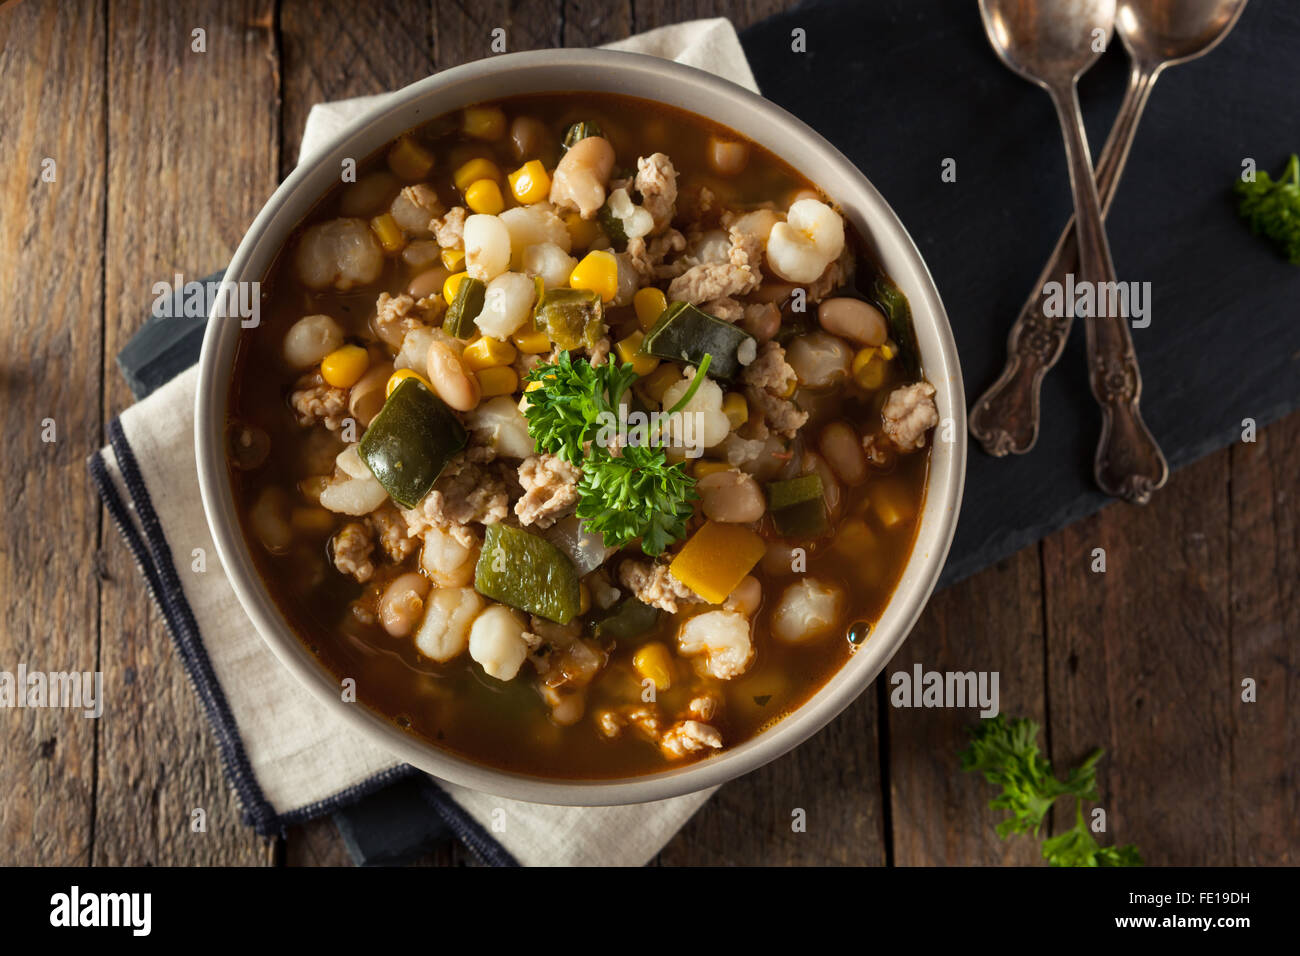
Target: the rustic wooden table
(163, 157)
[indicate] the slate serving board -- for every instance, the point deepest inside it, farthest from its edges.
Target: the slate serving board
(899, 86)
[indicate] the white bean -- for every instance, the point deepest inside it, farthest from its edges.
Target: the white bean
(367, 396)
(444, 630)
(507, 304)
(402, 604)
(813, 462)
(747, 596)
(270, 519)
(581, 176)
(496, 642)
(853, 319)
(842, 449)
(453, 382)
(731, 496)
(487, 247)
(310, 339)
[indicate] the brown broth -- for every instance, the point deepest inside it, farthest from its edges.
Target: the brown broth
(455, 705)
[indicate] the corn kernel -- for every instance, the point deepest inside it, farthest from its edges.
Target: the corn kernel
(401, 375)
(409, 160)
(869, 368)
(582, 232)
(736, 409)
(888, 351)
(653, 662)
(597, 272)
(344, 367)
(659, 381)
(451, 285)
(499, 380)
(484, 197)
(531, 341)
(474, 170)
(453, 258)
(488, 352)
(649, 304)
(703, 468)
(629, 350)
(388, 232)
(530, 183)
(483, 122)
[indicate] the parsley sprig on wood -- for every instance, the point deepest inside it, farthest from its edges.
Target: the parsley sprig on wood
(1006, 752)
(624, 493)
(1272, 207)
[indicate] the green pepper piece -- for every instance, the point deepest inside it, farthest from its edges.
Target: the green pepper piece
(684, 333)
(628, 619)
(808, 519)
(527, 572)
(573, 318)
(410, 441)
(795, 491)
(465, 308)
(578, 131)
(613, 227)
(891, 301)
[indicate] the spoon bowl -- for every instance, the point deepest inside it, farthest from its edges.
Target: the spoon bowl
(1048, 42)
(1160, 33)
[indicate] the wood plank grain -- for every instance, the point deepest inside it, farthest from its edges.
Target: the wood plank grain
(992, 621)
(1264, 623)
(1138, 661)
(192, 156)
(650, 14)
(463, 31)
(51, 108)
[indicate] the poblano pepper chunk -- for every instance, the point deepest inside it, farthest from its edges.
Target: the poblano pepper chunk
(527, 572)
(410, 441)
(464, 309)
(684, 333)
(628, 619)
(573, 318)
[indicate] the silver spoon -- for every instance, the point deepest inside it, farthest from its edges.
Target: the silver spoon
(1156, 34)
(1051, 43)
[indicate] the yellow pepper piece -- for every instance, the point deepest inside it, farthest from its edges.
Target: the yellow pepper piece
(409, 160)
(659, 381)
(703, 468)
(736, 409)
(344, 367)
(597, 272)
(582, 232)
(500, 380)
(401, 375)
(451, 285)
(717, 558)
(483, 122)
(488, 352)
(484, 196)
(654, 663)
(531, 341)
(530, 183)
(388, 232)
(474, 170)
(453, 258)
(629, 350)
(649, 304)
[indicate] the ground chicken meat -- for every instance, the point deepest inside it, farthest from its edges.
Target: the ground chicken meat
(449, 231)
(392, 532)
(313, 401)
(727, 309)
(834, 277)
(698, 207)
(466, 492)
(908, 414)
(647, 255)
(352, 548)
(689, 736)
(768, 379)
(653, 584)
(739, 275)
(550, 490)
(656, 180)
(395, 315)
(599, 352)
(762, 320)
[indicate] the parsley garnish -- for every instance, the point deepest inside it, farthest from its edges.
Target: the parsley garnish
(1273, 208)
(633, 494)
(1006, 752)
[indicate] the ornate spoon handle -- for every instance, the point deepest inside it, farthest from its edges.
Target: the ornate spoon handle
(1005, 418)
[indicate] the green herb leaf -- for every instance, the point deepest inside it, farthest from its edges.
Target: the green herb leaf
(564, 413)
(1272, 208)
(1007, 753)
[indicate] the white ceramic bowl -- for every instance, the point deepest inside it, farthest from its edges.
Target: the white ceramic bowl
(697, 92)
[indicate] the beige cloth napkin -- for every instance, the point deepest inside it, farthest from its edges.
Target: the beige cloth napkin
(288, 757)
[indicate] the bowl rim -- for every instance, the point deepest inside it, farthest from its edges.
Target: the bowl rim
(660, 80)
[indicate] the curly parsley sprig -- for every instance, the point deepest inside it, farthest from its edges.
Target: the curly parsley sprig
(1007, 753)
(625, 493)
(1272, 208)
